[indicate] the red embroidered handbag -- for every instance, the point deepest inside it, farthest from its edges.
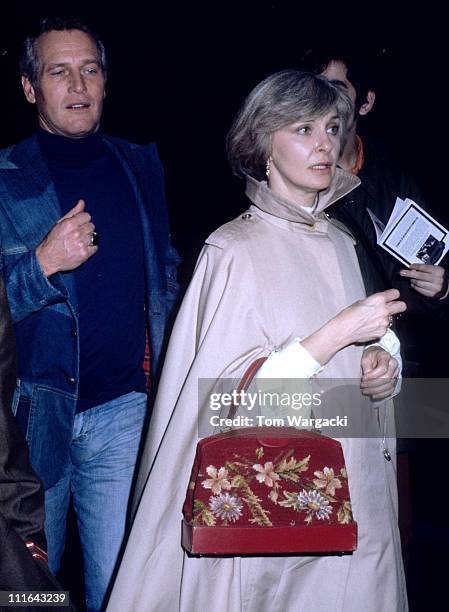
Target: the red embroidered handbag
(268, 490)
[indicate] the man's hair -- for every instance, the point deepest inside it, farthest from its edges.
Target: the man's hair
(29, 62)
(280, 100)
(364, 66)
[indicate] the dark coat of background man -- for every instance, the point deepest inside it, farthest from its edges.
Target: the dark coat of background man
(422, 329)
(88, 269)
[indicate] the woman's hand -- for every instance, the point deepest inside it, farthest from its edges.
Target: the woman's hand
(368, 319)
(364, 321)
(380, 373)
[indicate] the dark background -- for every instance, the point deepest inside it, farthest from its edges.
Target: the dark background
(177, 75)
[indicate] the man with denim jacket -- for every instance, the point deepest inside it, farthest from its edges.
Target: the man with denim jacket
(89, 270)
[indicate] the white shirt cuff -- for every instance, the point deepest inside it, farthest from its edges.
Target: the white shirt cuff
(292, 361)
(390, 343)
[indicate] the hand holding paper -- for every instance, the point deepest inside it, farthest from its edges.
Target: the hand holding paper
(427, 280)
(412, 236)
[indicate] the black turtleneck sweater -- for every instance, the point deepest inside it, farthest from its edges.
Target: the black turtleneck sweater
(109, 285)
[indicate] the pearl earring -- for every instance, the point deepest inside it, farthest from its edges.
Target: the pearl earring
(267, 168)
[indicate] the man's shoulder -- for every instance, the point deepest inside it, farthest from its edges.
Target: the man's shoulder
(142, 159)
(5, 155)
(384, 177)
(17, 154)
(383, 166)
(130, 147)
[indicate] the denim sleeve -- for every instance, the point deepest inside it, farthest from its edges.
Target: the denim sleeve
(28, 288)
(160, 224)
(172, 261)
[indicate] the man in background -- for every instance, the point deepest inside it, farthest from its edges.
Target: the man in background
(422, 329)
(422, 286)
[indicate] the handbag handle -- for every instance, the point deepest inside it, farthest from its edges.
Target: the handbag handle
(245, 382)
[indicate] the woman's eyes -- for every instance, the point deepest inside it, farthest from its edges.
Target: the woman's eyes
(307, 129)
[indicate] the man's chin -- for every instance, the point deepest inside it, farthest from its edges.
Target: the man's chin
(81, 133)
(72, 131)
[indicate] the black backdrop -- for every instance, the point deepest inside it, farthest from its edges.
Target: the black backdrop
(178, 73)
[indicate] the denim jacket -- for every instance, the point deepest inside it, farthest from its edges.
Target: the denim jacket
(44, 310)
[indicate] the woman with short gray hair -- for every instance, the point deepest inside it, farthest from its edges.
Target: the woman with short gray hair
(280, 281)
(280, 100)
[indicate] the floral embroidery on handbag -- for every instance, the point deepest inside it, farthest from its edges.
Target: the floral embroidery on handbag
(285, 482)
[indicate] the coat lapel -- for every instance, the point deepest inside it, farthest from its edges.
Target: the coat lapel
(128, 164)
(30, 194)
(30, 199)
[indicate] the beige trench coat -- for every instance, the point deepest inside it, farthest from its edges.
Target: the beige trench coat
(272, 274)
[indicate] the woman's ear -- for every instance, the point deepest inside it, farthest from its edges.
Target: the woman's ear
(368, 104)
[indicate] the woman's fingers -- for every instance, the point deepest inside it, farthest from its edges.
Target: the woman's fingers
(379, 373)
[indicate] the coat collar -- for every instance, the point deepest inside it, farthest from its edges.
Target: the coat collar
(261, 195)
(29, 191)
(22, 154)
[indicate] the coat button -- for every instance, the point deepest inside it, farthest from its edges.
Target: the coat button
(247, 216)
(74, 333)
(71, 380)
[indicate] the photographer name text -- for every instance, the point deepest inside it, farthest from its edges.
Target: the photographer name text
(294, 420)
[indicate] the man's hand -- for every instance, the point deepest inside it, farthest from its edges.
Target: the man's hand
(427, 280)
(379, 373)
(68, 244)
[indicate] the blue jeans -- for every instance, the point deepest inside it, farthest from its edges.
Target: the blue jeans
(104, 450)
